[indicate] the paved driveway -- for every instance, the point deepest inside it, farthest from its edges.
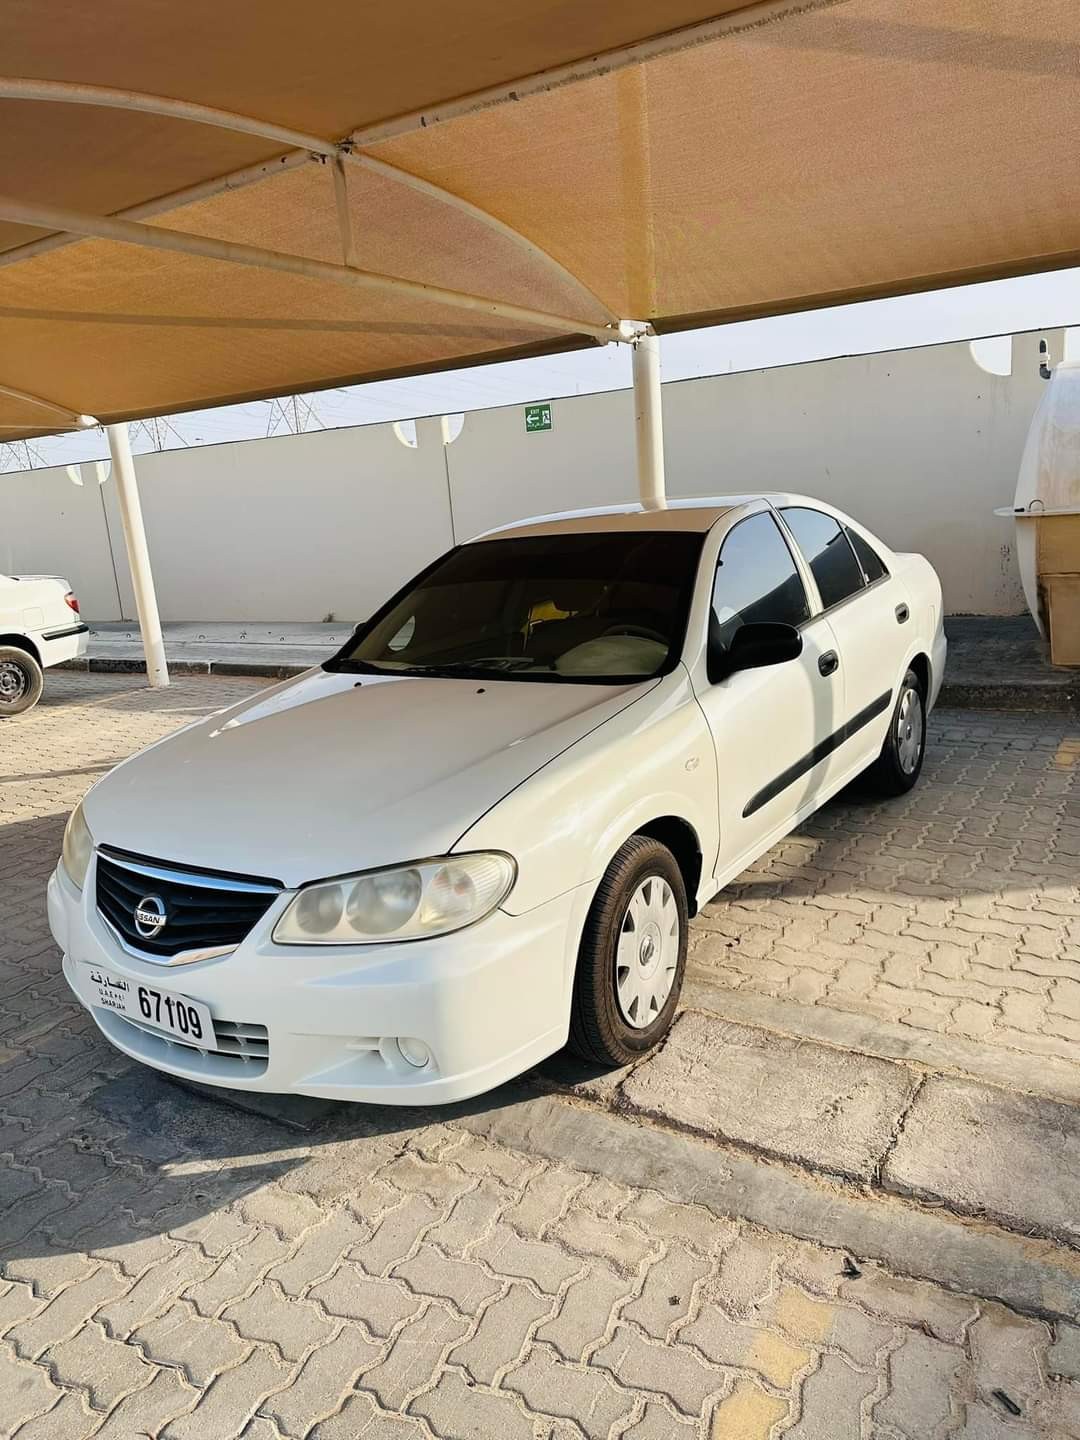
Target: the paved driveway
(173, 1266)
(953, 911)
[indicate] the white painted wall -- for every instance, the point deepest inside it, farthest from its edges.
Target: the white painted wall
(297, 527)
(920, 444)
(50, 526)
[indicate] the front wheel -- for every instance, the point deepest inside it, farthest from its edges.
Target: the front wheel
(632, 958)
(21, 681)
(898, 766)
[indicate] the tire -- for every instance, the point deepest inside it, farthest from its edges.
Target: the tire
(21, 681)
(900, 763)
(621, 1012)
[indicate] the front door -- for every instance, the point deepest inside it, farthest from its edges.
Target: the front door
(768, 724)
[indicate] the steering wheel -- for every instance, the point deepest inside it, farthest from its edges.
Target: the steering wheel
(640, 632)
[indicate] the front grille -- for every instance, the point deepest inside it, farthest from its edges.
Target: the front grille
(243, 1049)
(235, 1038)
(203, 910)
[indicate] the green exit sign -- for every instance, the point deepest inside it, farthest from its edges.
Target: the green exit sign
(538, 417)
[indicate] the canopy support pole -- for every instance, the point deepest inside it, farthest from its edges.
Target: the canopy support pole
(649, 419)
(142, 578)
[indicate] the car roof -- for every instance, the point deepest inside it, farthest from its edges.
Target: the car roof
(694, 515)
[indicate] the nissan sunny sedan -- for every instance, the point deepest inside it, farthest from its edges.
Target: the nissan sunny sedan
(479, 831)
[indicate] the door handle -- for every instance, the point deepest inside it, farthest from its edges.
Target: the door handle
(829, 662)
(902, 613)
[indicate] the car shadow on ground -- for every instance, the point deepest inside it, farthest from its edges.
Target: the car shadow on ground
(975, 839)
(142, 1154)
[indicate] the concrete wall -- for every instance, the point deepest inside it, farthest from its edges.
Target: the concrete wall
(50, 526)
(298, 527)
(920, 444)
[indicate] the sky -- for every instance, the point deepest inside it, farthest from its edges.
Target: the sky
(998, 308)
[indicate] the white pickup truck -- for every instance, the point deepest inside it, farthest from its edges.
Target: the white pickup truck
(39, 626)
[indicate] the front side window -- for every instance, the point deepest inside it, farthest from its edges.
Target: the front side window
(602, 607)
(827, 552)
(756, 579)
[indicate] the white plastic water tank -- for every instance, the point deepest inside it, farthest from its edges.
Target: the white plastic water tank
(1048, 484)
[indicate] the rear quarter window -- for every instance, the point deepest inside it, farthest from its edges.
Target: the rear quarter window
(874, 568)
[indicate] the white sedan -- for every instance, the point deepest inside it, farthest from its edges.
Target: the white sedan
(481, 828)
(40, 626)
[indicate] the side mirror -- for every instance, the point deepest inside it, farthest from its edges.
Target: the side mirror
(754, 645)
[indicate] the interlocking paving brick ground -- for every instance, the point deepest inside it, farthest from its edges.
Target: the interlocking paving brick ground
(173, 1267)
(954, 909)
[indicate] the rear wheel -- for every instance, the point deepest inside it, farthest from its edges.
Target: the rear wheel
(899, 765)
(21, 681)
(632, 958)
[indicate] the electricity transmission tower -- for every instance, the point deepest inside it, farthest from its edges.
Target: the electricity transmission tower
(292, 416)
(159, 431)
(20, 455)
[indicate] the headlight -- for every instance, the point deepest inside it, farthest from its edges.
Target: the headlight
(78, 847)
(408, 902)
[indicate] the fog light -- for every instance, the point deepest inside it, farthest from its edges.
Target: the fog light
(414, 1051)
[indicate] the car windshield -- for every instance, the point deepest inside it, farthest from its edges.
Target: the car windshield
(586, 606)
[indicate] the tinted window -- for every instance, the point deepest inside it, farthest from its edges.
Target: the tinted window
(871, 562)
(600, 606)
(827, 552)
(756, 579)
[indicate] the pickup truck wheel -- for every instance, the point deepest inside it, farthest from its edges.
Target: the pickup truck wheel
(21, 681)
(632, 957)
(898, 766)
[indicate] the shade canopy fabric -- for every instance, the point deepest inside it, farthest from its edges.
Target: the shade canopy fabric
(208, 202)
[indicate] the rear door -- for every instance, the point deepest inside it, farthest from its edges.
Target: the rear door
(768, 725)
(866, 608)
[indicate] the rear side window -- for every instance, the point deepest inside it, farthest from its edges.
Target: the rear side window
(872, 564)
(756, 579)
(827, 552)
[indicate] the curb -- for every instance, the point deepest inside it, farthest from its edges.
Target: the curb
(925, 1242)
(1050, 695)
(958, 694)
(101, 665)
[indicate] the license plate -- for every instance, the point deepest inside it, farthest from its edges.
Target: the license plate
(172, 1014)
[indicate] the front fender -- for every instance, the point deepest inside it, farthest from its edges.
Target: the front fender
(564, 824)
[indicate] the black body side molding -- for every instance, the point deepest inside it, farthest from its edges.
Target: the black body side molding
(820, 752)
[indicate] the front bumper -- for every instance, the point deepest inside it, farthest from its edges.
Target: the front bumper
(487, 1002)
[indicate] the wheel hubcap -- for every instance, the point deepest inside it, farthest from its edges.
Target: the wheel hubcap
(909, 730)
(647, 955)
(13, 682)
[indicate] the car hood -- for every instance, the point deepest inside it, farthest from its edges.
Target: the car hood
(331, 773)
